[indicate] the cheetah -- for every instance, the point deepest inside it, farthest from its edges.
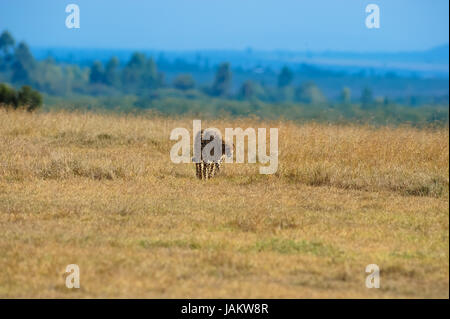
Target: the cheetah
(208, 168)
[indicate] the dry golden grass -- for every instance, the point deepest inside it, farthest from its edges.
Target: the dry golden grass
(100, 191)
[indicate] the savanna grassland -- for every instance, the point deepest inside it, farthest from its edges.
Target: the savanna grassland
(100, 191)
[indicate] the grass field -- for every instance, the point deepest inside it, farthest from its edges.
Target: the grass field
(100, 191)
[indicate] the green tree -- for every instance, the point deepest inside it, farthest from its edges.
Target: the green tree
(7, 96)
(184, 82)
(112, 72)
(49, 77)
(366, 98)
(161, 79)
(97, 74)
(247, 90)
(132, 71)
(6, 42)
(79, 78)
(29, 98)
(137, 60)
(140, 73)
(23, 64)
(285, 77)
(150, 78)
(346, 95)
(222, 81)
(309, 92)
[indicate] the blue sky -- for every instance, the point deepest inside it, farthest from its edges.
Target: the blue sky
(315, 25)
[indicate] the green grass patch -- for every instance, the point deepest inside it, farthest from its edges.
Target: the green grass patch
(288, 246)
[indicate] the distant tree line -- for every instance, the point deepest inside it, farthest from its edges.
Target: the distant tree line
(138, 83)
(140, 76)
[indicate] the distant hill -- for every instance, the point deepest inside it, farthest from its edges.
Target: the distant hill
(429, 63)
(402, 76)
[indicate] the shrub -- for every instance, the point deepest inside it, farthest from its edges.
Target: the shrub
(184, 82)
(7, 96)
(29, 98)
(26, 97)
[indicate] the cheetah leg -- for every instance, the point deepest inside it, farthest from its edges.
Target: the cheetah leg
(205, 170)
(211, 172)
(217, 167)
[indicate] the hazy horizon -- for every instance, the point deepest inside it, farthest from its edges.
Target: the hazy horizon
(138, 49)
